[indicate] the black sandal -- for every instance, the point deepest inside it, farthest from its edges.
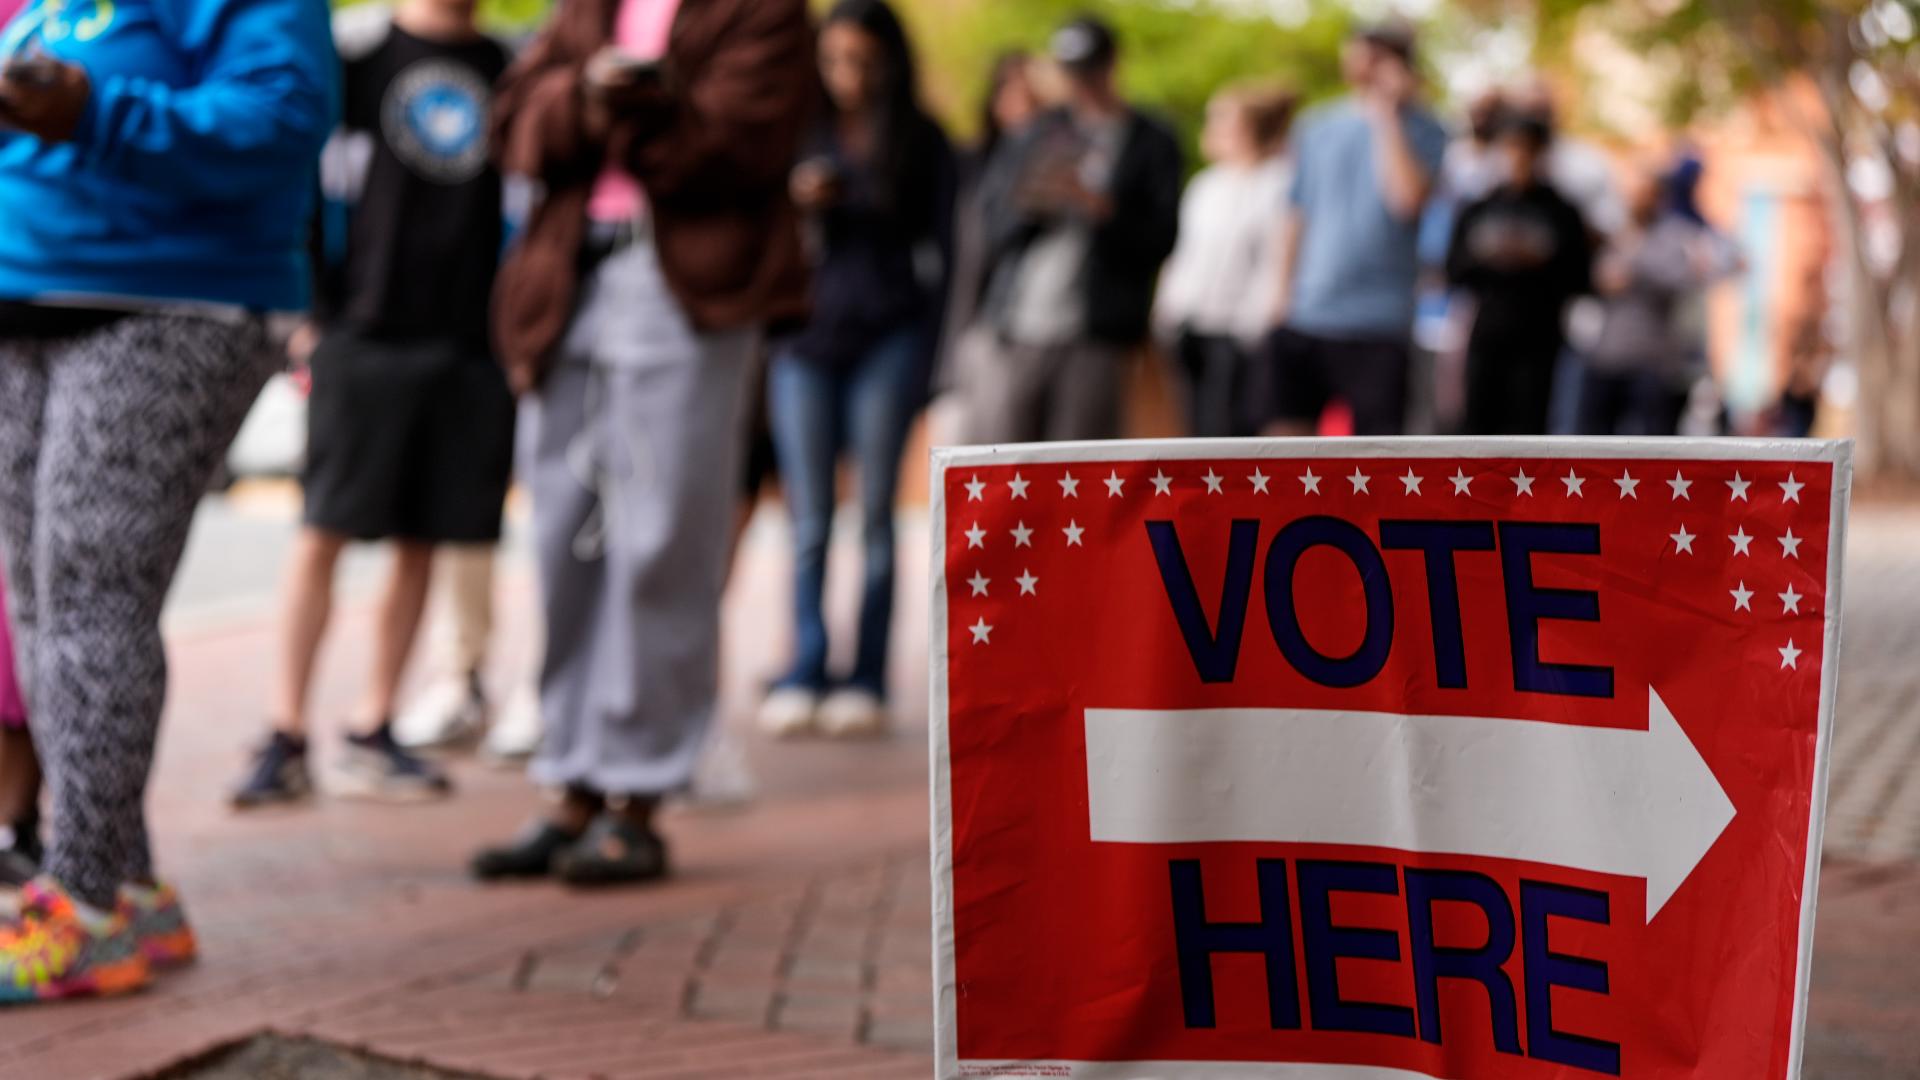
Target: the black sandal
(532, 855)
(614, 851)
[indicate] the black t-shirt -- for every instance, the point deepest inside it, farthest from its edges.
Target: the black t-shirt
(1523, 253)
(422, 222)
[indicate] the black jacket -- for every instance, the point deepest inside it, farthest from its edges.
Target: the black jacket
(1127, 250)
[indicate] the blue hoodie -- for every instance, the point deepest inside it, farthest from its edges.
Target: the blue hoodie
(190, 178)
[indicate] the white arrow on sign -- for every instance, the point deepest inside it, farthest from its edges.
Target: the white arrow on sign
(1633, 803)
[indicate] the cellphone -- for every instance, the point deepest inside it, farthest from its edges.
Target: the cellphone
(636, 70)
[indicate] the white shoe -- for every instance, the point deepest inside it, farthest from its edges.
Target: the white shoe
(516, 735)
(450, 713)
(851, 712)
(788, 711)
(724, 778)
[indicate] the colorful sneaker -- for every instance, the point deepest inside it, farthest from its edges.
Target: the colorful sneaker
(375, 767)
(278, 776)
(50, 950)
(159, 925)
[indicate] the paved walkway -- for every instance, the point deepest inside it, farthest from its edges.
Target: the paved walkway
(794, 941)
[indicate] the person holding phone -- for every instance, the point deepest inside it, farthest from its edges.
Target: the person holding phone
(156, 159)
(878, 185)
(1348, 243)
(629, 310)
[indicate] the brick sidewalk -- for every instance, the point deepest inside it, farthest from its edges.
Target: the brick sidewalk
(794, 942)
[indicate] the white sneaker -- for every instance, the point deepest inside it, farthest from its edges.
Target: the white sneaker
(516, 735)
(450, 713)
(788, 711)
(724, 778)
(851, 712)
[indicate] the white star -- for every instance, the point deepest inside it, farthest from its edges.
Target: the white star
(1790, 656)
(1018, 486)
(1791, 489)
(976, 536)
(1522, 483)
(1461, 482)
(1680, 486)
(1741, 541)
(981, 632)
(1411, 483)
(1073, 531)
(1069, 486)
(1114, 484)
(1027, 582)
(1742, 598)
(974, 488)
(1259, 481)
(1629, 487)
(1213, 483)
(1162, 484)
(1683, 540)
(1358, 480)
(1574, 484)
(1790, 546)
(1790, 602)
(1309, 483)
(1739, 487)
(979, 582)
(1022, 536)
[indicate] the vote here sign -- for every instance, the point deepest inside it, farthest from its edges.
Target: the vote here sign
(1380, 760)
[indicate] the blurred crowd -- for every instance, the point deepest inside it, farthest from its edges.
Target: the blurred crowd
(700, 245)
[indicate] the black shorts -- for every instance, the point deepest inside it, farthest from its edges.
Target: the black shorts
(408, 440)
(1369, 376)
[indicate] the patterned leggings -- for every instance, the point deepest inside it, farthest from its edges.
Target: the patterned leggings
(107, 440)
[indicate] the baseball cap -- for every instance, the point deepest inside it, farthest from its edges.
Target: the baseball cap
(1085, 43)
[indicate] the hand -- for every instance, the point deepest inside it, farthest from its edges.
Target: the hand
(1390, 85)
(44, 97)
(623, 82)
(302, 343)
(814, 185)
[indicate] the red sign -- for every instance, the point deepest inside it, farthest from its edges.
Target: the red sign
(1375, 760)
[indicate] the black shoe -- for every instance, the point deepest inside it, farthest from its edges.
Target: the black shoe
(613, 852)
(376, 767)
(22, 855)
(279, 774)
(530, 855)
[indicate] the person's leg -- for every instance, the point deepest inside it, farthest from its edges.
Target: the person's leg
(1299, 384)
(1218, 386)
(805, 411)
(1371, 376)
(307, 610)
(22, 407)
(396, 628)
(1084, 391)
(1005, 387)
(124, 462)
(884, 400)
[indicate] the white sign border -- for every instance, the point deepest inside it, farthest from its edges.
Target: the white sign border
(1835, 452)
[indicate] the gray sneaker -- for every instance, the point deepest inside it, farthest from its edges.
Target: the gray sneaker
(375, 767)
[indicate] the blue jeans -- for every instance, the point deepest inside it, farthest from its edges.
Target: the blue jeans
(817, 412)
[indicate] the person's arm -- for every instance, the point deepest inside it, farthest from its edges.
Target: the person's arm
(1287, 230)
(1403, 170)
(1143, 223)
(538, 126)
(254, 121)
(737, 127)
(1464, 271)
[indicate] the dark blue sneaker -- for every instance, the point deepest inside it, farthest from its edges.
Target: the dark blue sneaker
(376, 767)
(278, 776)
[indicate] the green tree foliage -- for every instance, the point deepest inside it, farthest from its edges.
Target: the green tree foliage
(1176, 54)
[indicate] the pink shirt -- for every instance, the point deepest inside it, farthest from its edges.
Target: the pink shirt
(640, 28)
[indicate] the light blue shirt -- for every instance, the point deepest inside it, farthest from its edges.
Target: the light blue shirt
(1355, 272)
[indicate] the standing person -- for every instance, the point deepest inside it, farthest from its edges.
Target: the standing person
(630, 308)
(1212, 303)
(21, 851)
(410, 437)
(1522, 253)
(155, 165)
(877, 179)
(1081, 210)
(1348, 245)
(1651, 348)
